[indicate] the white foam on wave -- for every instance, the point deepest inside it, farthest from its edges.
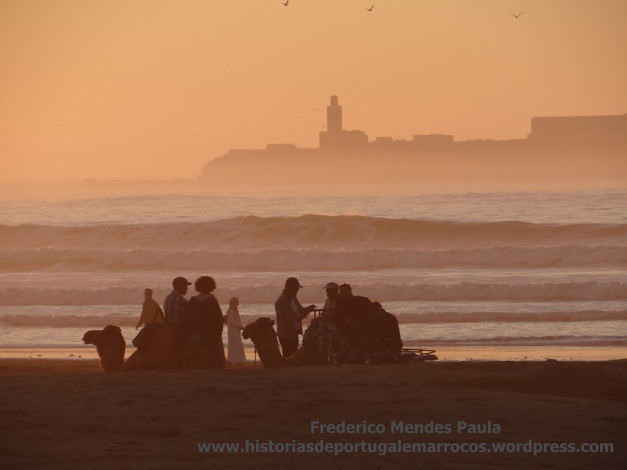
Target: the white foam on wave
(317, 259)
(62, 320)
(512, 316)
(260, 294)
(549, 340)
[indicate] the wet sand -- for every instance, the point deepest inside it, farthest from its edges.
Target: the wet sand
(66, 413)
(448, 353)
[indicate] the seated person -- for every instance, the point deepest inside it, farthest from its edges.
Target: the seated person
(333, 290)
(382, 331)
(351, 312)
(205, 319)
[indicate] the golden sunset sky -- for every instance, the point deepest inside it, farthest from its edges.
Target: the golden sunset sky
(153, 89)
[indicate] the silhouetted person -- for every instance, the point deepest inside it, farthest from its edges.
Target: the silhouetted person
(383, 332)
(151, 311)
(206, 318)
(289, 316)
(333, 290)
(351, 312)
(234, 325)
(175, 303)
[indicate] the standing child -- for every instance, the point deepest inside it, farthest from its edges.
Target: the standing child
(234, 323)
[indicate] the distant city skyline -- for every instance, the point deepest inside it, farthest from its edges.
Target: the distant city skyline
(543, 128)
(558, 148)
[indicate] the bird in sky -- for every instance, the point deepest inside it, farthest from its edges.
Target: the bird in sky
(513, 14)
(287, 2)
(370, 9)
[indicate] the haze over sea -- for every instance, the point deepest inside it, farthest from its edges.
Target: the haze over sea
(496, 267)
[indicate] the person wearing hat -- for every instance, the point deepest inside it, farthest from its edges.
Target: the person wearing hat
(175, 303)
(289, 316)
(333, 290)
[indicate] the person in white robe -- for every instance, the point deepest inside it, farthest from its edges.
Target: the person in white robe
(234, 325)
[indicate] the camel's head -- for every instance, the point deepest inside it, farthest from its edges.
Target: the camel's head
(258, 327)
(97, 337)
(92, 337)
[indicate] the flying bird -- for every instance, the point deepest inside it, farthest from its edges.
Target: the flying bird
(370, 9)
(513, 14)
(287, 2)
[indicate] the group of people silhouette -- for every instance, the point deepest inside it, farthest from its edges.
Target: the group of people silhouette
(366, 328)
(199, 320)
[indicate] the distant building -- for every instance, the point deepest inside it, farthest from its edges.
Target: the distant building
(335, 138)
(579, 128)
(433, 139)
(334, 116)
(281, 148)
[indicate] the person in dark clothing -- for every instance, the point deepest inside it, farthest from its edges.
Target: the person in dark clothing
(383, 334)
(289, 316)
(333, 290)
(351, 312)
(206, 319)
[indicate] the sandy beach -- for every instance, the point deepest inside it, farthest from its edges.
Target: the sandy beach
(66, 413)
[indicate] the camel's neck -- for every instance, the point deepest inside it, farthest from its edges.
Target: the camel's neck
(268, 349)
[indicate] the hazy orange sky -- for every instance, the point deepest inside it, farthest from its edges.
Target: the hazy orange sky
(129, 89)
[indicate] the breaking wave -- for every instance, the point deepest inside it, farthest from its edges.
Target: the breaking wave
(63, 320)
(260, 294)
(306, 232)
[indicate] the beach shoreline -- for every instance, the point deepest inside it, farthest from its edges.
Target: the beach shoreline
(448, 353)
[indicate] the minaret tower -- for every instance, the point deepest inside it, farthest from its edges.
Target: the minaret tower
(334, 116)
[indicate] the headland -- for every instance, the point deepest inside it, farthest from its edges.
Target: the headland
(557, 148)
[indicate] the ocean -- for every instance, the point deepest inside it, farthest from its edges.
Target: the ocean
(504, 269)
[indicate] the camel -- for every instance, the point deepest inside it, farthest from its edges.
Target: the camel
(262, 334)
(155, 350)
(110, 345)
(323, 345)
